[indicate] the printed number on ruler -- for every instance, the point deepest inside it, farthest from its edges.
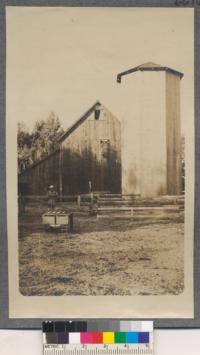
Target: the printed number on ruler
(110, 349)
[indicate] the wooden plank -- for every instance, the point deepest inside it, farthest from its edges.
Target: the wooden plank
(173, 134)
(154, 208)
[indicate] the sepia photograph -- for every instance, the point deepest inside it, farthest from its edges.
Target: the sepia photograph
(100, 127)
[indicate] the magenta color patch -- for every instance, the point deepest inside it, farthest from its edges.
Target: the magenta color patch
(86, 338)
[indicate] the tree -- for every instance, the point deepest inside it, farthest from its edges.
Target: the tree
(24, 142)
(40, 142)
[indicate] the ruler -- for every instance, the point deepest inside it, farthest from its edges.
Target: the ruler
(97, 349)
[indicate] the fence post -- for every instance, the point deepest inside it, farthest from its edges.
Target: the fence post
(79, 200)
(91, 203)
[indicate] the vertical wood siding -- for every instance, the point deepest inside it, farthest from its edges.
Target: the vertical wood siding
(92, 152)
(144, 135)
(37, 178)
(173, 138)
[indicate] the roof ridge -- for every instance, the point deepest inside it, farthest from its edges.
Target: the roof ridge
(149, 66)
(70, 129)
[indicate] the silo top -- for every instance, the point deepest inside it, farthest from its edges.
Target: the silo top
(149, 67)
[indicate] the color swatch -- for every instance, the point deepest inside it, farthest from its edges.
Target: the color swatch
(82, 332)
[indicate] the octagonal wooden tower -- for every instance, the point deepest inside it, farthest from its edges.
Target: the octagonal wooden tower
(151, 144)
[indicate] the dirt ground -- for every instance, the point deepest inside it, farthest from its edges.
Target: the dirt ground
(101, 257)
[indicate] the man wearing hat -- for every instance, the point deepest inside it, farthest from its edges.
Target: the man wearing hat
(52, 195)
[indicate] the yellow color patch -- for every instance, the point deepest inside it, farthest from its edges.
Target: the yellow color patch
(108, 337)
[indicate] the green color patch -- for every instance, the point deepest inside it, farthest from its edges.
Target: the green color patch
(120, 337)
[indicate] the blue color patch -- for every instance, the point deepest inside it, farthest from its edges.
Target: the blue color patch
(143, 337)
(132, 337)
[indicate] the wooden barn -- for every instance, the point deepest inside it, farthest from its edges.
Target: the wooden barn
(89, 157)
(151, 143)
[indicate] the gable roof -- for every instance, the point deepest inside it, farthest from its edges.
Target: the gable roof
(79, 121)
(66, 134)
(149, 66)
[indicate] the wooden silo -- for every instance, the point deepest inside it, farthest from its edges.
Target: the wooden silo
(151, 143)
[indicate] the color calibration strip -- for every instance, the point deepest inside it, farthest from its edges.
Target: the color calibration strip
(98, 338)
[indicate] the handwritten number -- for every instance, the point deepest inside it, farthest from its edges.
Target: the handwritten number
(187, 2)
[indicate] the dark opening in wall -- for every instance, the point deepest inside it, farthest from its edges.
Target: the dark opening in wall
(97, 114)
(105, 147)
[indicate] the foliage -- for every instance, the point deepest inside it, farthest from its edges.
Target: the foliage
(35, 145)
(24, 147)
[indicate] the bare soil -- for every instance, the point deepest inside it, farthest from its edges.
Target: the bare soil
(101, 257)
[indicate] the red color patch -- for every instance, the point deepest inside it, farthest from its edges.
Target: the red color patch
(97, 338)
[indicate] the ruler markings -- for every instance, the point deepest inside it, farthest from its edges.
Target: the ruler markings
(65, 349)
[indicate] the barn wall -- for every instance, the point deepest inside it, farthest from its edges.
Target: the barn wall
(37, 178)
(173, 134)
(93, 153)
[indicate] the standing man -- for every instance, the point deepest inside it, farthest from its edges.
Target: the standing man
(52, 195)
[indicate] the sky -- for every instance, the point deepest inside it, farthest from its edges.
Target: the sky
(64, 59)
